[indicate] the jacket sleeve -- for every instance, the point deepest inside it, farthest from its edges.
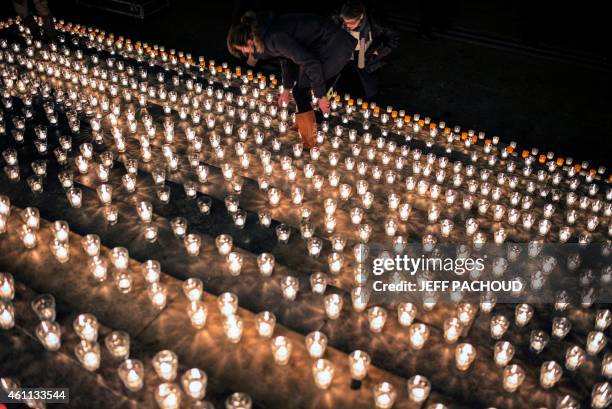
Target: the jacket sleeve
(289, 72)
(386, 39)
(292, 50)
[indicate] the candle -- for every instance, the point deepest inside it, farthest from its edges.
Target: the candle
(193, 289)
(574, 357)
(316, 342)
(168, 396)
(514, 376)
(234, 263)
(265, 263)
(179, 226)
(596, 341)
(44, 307)
(91, 245)
(452, 329)
(192, 244)
(318, 283)
(406, 312)
(333, 306)
(289, 287)
(523, 314)
(86, 327)
(118, 344)
(503, 353)
(165, 364)
(384, 395)
(265, 322)
(359, 362)
(197, 313)
(550, 373)
(418, 388)
(7, 314)
(323, 373)
(464, 356)
(233, 326)
(194, 383)
(88, 354)
(498, 326)
(281, 350)
(28, 236)
(158, 295)
(120, 257)
(228, 304)
(601, 396)
(123, 281)
(377, 316)
(418, 334)
(224, 244)
(49, 334)
(7, 286)
(238, 400)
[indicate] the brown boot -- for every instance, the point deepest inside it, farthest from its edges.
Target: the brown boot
(307, 128)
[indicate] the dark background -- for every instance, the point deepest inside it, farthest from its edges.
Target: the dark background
(537, 72)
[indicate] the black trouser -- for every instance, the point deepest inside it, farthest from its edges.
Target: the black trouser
(303, 97)
(358, 82)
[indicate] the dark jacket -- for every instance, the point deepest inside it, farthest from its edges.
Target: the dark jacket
(312, 49)
(384, 40)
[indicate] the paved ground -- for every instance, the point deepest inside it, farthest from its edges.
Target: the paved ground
(538, 102)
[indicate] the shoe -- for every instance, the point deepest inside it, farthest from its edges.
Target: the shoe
(307, 128)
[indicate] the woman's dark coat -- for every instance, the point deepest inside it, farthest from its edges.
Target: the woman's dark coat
(312, 49)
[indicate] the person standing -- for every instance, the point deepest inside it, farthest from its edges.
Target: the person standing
(22, 8)
(312, 51)
(376, 41)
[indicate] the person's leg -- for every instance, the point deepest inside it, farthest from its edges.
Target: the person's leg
(305, 116)
(302, 99)
(42, 8)
(369, 82)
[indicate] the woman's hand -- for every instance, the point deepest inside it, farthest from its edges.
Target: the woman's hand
(283, 99)
(324, 104)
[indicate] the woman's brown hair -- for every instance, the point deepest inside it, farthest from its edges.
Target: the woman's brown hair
(239, 35)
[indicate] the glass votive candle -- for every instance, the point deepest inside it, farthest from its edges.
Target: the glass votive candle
(465, 354)
(179, 226)
(314, 245)
(194, 383)
(168, 395)
(452, 330)
(283, 232)
(60, 250)
(596, 341)
(91, 245)
(74, 196)
(281, 350)
(359, 362)
(86, 327)
(232, 326)
(193, 289)
(123, 281)
(265, 264)
(88, 354)
(323, 373)
(234, 263)
(333, 306)
(514, 376)
(61, 230)
(145, 211)
(289, 287)
(238, 400)
(316, 343)
(44, 307)
(165, 364)
(550, 373)
(574, 357)
(228, 304)
(503, 352)
(335, 261)
(265, 322)
(118, 344)
(538, 340)
(111, 214)
(224, 244)
(49, 334)
(105, 193)
(265, 218)
(204, 204)
(498, 326)
(523, 314)
(197, 312)
(192, 244)
(418, 335)
(131, 373)
(120, 256)
(377, 316)
(419, 388)
(28, 236)
(274, 196)
(603, 319)
(5, 206)
(384, 395)
(406, 312)
(7, 286)
(158, 295)
(149, 231)
(601, 396)
(7, 314)
(318, 283)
